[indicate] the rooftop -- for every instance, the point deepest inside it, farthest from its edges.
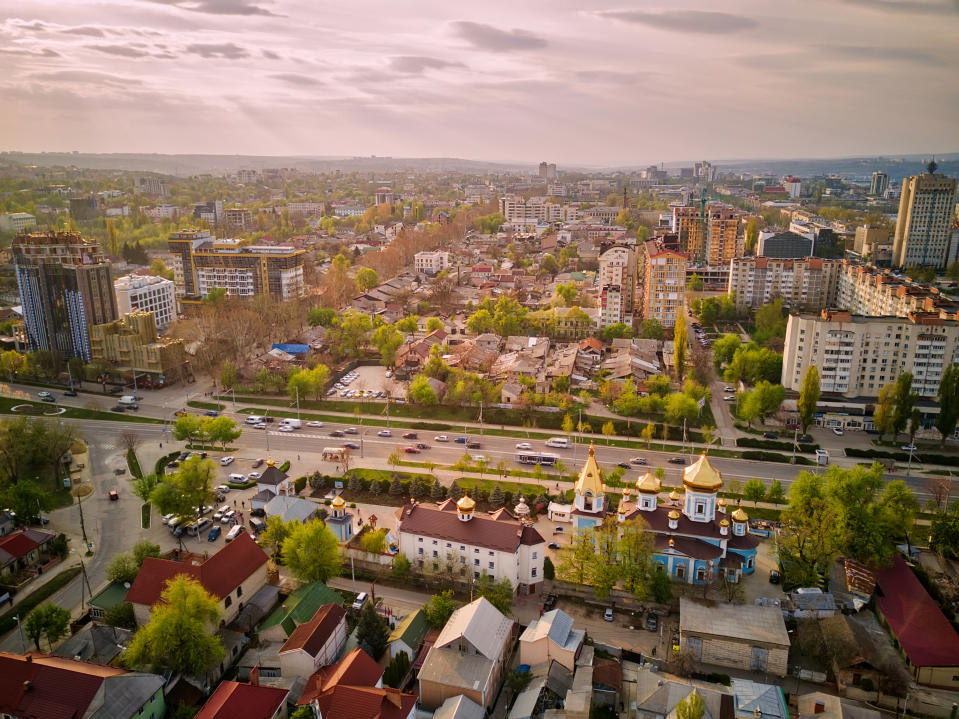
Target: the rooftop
(481, 624)
(313, 635)
(502, 533)
(233, 700)
(739, 622)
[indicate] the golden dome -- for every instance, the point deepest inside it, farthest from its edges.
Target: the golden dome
(740, 516)
(673, 515)
(338, 502)
(721, 502)
(672, 542)
(465, 504)
(674, 496)
(649, 484)
(270, 462)
(590, 479)
(724, 523)
(702, 476)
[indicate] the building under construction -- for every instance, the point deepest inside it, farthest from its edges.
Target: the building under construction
(65, 287)
(132, 345)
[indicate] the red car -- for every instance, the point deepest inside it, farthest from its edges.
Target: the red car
(257, 462)
(411, 450)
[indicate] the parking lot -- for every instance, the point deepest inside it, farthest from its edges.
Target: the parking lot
(369, 383)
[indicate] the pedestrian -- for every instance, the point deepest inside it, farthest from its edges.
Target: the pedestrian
(234, 504)
(297, 458)
(243, 504)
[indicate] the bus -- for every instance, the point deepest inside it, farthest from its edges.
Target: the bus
(544, 458)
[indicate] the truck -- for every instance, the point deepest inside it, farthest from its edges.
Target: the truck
(822, 457)
(294, 423)
(560, 442)
(127, 399)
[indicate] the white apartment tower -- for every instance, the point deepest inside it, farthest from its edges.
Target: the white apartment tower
(617, 282)
(147, 294)
(924, 226)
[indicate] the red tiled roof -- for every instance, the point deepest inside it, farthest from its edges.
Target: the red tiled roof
(38, 686)
(313, 635)
(18, 545)
(220, 574)
(925, 634)
(350, 702)
(355, 669)
(233, 700)
(443, 523)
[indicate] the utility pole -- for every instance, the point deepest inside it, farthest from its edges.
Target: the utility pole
(83, 528)
(297, 402)
(795, 442)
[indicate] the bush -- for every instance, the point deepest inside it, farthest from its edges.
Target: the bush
(134, 464)
(285, 466)
(773, 457)
(549, 571)
(299, 484)
(241, 485)
(773, 444)
(160, 467)
(924, 457)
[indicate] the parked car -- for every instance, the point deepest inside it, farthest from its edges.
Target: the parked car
(557, 529)
(226, 461)
(729, 398)
(218, 514)
(257, 462)
(410, 435)
(258, 512)
(384, 433)
(770, 435)
(460, 440)
(70, 393)
(524, 445)
(411, 450)
(254, 476)
(228, 516)
(638, 460)
(351, 445)
(360, 601)
(608, 614)
(167, 518)
(314, 423)
(909, 448)
(225, 488)
(729, 389)
(183, 456)
(677, 460)
(553, 545)
(774, 576)
(441, 438)
(805, 439)
(652, 622)
(214, 534)
(549, 602)
(838, 432)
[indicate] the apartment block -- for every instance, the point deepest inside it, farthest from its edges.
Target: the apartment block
(132, 344)
(664, 283)
(65, 287)
(238, 217)
(17, 222)
(858, 355)
(524, 211)
(879, 184)
(305, 209)
(810, 283)
(431, 262)
(709, 235)
(868, 238)
(202, 263)
(617, 278)
(868, 290)
(147, 293)
(924, 225)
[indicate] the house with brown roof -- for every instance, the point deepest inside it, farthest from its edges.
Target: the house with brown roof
(22, 550)
(235, 700)
(315, 643)
(353, 689)
(232, 575)
(495, 543)
(41, 686)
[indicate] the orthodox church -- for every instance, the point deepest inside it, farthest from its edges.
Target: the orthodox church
(695, 540)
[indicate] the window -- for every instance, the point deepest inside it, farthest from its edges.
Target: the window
(419, 539)
(475, 562)
(491, 554)
(534, 555)
(448, 545)
(434, 542)
(492, 565)
(476, 551)
(462, 548)
(239, 592)
(420, 551)
(435, 554)
(533, 573)
(228, 601)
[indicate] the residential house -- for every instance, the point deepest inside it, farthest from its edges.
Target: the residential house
(353, 689)
(315, 643)
(232, 575)
(107, 597)
(562, 363)
(511, 392)
(233, 700)
(469, 657)
(95, 643)
(290, 508)
(744, 637)
(818, 705)
(272, 482)
(589, 355)
(42, 686)
(925, 636)
(409, 634)
(21, 551)
(459, 707)
(298, 608)
(497, 543)
(488, 341)
(551, 637)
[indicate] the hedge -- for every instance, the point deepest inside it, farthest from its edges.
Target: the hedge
(285, 466)
(299, 484)
(36, 598)
(774, 444)
(241, 485)
(133, 463)
(774, 457)
(943, 459)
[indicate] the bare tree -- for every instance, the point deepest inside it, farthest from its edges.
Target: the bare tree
(941, 489)
(128, 440)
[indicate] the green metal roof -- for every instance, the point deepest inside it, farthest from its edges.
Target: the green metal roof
(301, 605)
(109, 597)
(412, 629)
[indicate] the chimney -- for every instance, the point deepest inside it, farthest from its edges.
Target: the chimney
(820, 708)
(29, 658)
(255, 676)
(27, 686)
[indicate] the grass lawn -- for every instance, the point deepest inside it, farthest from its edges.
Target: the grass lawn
(134, 464)
(7, 404)
(145, 515)
(37, 597)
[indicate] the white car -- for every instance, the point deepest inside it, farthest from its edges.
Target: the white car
(388, 374)
(223, 488)
(441, 438)
(838, 432)
(314, 423)
(227, 516)
(524, 445)
(226, 461)
(384, 433)
(909, 448)
(285, 428)
(351, 430)
(167, 518)
(638, 460)
(254, 475)
(729, 389)
(729, 398)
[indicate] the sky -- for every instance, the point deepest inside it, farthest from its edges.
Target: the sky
(569, 81)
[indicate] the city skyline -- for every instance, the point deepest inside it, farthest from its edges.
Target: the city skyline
(610, 84)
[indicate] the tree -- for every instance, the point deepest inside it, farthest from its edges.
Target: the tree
(680, 347)
(421, 392)
(321, 317)
(752, 235)
(651, 329)
(49, 621)
(12, 362)
(575, 559)
(695, 283)
(549, 571)
(276, 532)
(616, 331)
(374, 541)
(121, 615)
(304, 712)
(480, 322)
(228, 374)
(634, 553)
(905, 402)
(775, 493)
(221, 430)
(809, 540)
(567, 293)
(180, 634)
(882, 416)
(300, 384)
(401, 566)
(691, 707)
(944, 532)
(348, 336)
(433, 324)
(396, 671)
(122, 568)
(754, 491)
(387, 339)
(440, 608)
(679, 407)
(549, 265)
(724, 349)
(770, 321)
(609, 430)
(660, 586)
(188, 490)
(647, 433)
(499, 594)
(188, 428)
(158, 268)
(410, 323)
(372, 632)
(25, 498)
(366, 279)
(948, 401)
(311, 551)
(809, 397)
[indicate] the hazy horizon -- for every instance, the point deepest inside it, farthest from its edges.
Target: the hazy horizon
(604, 86)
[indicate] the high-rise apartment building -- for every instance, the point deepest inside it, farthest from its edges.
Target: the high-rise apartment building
(151, 185)
(617, 280)
(664, 283)
(147, 293)
(65, 287)
(868, 290)
(547, 171)
(924, 225)
(809, 283)
(879, 184)
(709, 235)
(202, 263)
(858, 355)
(522, 211)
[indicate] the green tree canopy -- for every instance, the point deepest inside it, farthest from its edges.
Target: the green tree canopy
(188, 489)
(651, 329)
(48, 621)
(440, 608)
(366, 279)
(808, 397)
(372, 633)
(311, 551)
(421, 392)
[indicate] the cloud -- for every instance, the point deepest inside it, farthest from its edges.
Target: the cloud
(612, 77)
(880, 53)
(226, 50)
(906, 7)
(417, 65)
(270, 55)
(487, 37)
(688, 21)
(217, 7)
(83, 30)
(295, 79)
(85, 76)
(121, 50)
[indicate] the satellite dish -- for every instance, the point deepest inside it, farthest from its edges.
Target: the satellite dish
(126, 585)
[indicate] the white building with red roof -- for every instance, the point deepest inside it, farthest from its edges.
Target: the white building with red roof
(235, 700)
(315, 643)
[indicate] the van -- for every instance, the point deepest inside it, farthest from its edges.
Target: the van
(235, 532)
(294, 423)
(257, 525)
(198, 526)
(360, 600)
(479, 458)
(238, 478)
(253, 419)
(560, 442)
(127, 399)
